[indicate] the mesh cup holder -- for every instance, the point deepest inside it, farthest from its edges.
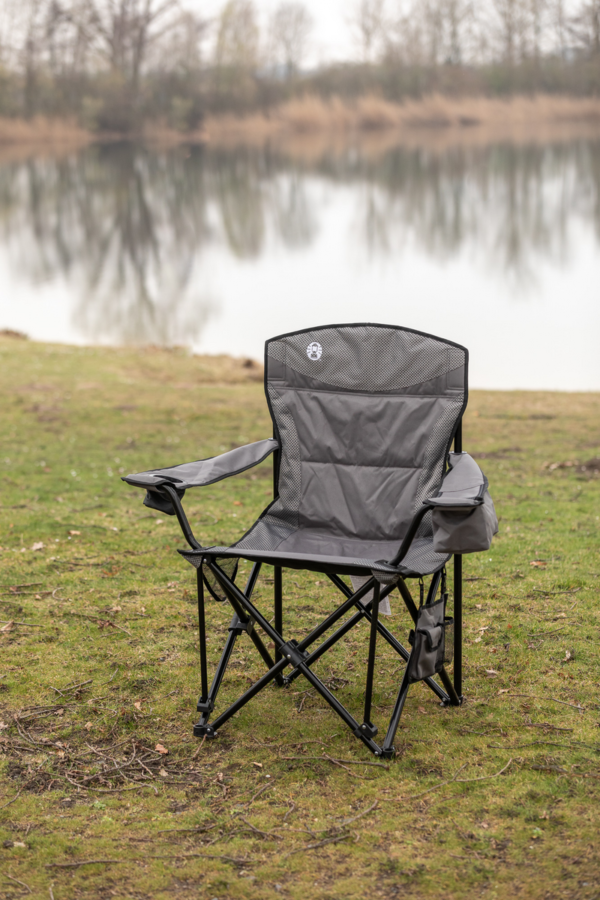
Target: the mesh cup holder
(449, 640)
(229, 567)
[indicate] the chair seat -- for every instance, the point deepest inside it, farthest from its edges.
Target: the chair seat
(272, 541)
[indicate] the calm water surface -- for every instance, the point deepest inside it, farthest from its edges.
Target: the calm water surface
(495, 247)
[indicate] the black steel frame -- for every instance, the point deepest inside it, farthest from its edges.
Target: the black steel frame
(295, 654)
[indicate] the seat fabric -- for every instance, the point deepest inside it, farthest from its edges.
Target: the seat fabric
(365, 415)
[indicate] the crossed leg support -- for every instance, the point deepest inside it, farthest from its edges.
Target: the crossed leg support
(295, 654)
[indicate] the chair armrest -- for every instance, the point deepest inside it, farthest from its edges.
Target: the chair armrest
(205, 471)
(463, 486)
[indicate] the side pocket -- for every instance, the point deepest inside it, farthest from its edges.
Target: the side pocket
(428, 642)
(464, 531)
(229, 566)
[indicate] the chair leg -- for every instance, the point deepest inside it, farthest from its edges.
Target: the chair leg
(387, 750)
(278, 603)
(458, 626)
(372, 651)
(202, 636)
(206, 705)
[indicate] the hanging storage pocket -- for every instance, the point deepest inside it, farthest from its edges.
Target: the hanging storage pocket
(428, 642)
(464, 530)
(229, 567)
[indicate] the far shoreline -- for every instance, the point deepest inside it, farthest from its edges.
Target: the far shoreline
(369, 120)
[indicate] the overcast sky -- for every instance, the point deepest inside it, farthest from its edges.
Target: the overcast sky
(332, 36)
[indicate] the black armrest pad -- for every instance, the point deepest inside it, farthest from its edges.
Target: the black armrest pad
(463, 485)
(205, 471)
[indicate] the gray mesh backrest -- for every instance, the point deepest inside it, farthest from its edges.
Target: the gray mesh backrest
(364, 415)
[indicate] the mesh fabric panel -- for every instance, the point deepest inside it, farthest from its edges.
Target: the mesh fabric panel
(367, 358)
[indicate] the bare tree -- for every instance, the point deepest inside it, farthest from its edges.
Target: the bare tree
(123, 31)
(289, 34)
(510, 27)
(585, 27)
(368, 22)
(237, 45)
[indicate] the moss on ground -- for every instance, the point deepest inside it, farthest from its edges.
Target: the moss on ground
(99, 665)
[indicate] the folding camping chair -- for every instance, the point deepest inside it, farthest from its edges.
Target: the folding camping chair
(365, 486)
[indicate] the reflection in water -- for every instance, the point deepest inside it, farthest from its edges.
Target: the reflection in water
(130, 228)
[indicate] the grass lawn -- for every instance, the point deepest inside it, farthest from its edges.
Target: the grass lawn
(99, 663)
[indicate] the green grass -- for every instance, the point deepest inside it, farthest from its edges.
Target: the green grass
(72, 420)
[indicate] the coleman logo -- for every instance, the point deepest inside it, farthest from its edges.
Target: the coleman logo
(314, 351)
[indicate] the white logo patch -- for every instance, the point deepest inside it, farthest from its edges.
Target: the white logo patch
(314, 351)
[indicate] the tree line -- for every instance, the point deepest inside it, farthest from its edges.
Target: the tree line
(113, 64)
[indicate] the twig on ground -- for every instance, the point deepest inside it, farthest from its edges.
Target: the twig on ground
(26, 584)
(441, 783)
(97, 619)
(456, 780)
(265, 834)
(84, 862)
(360, 762)
(541, 699)
(290, 810)
(365, 812)
(258, 793)
(28, 624)
(198, 830)
(67, 690)
(539, 591)
(332, 840)
(16, 880)
(102, 683)
(13, 799)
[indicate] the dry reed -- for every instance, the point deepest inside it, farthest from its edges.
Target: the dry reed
(313, 115)
(42, 131)
(310, 124)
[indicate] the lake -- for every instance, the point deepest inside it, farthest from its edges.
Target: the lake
(495, 247)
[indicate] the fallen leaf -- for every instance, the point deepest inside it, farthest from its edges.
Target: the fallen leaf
(484, 825)
(8, 627)
(19, 844)
(478, 606)
(115, 609)
(72, 531)
(503, 690)
(162, 750)
(422, 711)
(138, 705)
(220, 775)
(60, 712)
(477, 640)
(61, 754)
(37, 546)
(88, 726)
(163, 772)
(258, 765)
(569, 654)
(237, 503)
(491, 672)
(3, 725)
(538, 564)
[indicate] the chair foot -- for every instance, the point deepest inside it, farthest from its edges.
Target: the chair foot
(448, 702)
(366, 730)
(389, 753)
(206, 731)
